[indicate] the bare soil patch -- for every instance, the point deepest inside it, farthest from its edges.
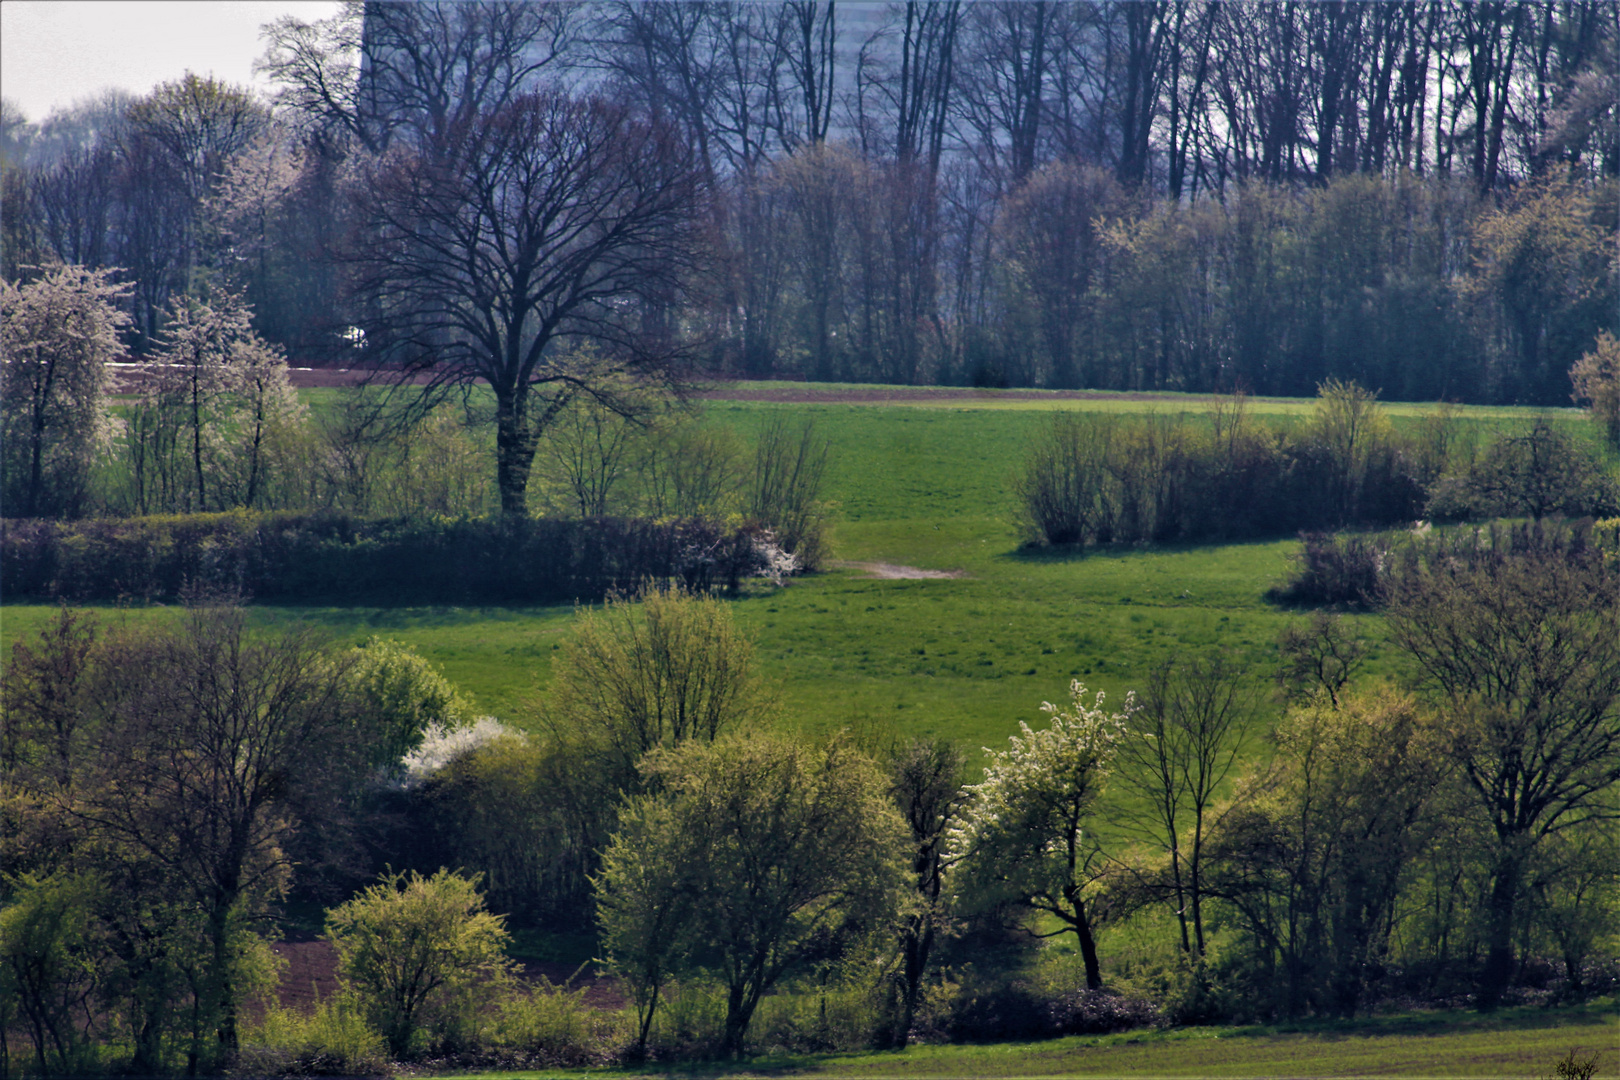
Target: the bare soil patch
(804, 393)
(894, 571)
(311, 976)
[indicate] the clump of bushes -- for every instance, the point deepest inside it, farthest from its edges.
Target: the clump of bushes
(1539, 473)
(1098, 478)
(1355, 569)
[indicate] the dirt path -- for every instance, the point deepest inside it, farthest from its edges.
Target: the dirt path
(786, 392)
(894, 571)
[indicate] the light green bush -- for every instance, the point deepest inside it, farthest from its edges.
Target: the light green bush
(558, 1026)
(333, 1040)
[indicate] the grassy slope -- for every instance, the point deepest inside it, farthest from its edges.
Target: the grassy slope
(964, 658)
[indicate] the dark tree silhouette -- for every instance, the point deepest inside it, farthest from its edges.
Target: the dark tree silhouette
(551, 218)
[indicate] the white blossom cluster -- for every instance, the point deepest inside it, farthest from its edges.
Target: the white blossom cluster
(442, 745)
(1044, 777)
(775, 563)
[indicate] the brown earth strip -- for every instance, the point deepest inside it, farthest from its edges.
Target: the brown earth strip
(310, 976)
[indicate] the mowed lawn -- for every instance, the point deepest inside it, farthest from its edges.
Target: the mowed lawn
(1523, 1044)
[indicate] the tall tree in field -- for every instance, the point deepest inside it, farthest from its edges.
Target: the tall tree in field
(551, 218)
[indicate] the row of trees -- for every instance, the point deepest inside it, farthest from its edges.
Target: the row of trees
(212, 423)
(950, 192)
(159, 788)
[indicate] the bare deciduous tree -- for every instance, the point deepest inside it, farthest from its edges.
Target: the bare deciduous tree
(551, 217)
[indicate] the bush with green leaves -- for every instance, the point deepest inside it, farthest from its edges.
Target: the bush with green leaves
(1537, 473)
(402, 696)
(50, 964)
(753, 855)
(422, 956)
(332, 1039)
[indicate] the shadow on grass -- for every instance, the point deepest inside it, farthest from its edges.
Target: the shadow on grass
(1440, 1022)
(406, 616)
(1058, 554)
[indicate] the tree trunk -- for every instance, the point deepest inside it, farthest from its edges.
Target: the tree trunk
(1088, 943)
(1499, 931)
(515, 442)
(739, 1010)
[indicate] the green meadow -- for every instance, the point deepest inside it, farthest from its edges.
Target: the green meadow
(926, 486)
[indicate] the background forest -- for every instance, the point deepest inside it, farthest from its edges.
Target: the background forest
(1416, 197)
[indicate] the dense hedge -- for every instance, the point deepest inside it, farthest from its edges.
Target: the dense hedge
(336, 557)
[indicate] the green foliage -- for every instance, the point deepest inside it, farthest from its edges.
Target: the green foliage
(421, 954)
(1312, 852)
(1597, 382)
(554, 1025)
(401, 696)
(1022, 838)
(1517, 633)
(333, 1039)
(293, 557)
(668, 667)
(1538, 473)
(755, 854)
(526, 813)
(50, 964)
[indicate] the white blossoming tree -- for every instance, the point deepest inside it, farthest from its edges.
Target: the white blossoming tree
(56, 335)
(1022, 838)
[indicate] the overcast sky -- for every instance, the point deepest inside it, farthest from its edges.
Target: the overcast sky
(55, 52)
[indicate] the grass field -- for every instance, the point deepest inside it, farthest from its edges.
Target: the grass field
(964, 658)
(1520, 1043)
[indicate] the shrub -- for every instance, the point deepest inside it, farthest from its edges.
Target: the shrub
(420, 955)
(1597, 382)
(333, 1040)
(819, 1019)
(1539, 473)
(784, 494)
(554, 1026)
(1338, 569)
(335, 557)
(1094, 478)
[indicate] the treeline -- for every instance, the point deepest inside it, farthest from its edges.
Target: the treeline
(1101, 478)
(1444, 838)
(1138, 196)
